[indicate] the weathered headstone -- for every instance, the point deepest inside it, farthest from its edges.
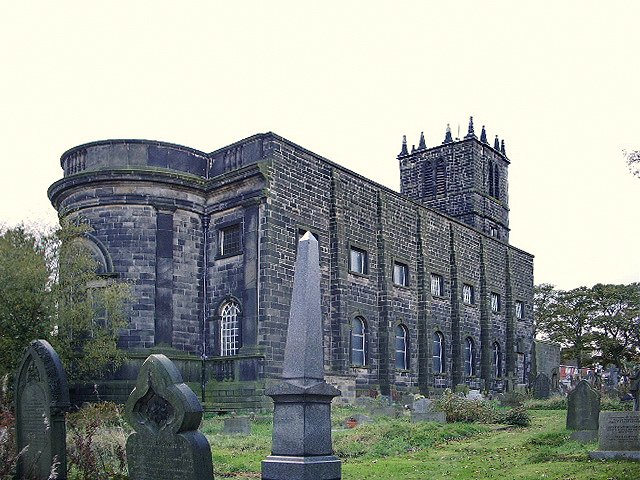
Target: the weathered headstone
(613, 378)
(165, 414)
(618, 436)
(423, 412)
(42, 397)
(541, 387)
(301, 444)
(583, 410)
(236, 426)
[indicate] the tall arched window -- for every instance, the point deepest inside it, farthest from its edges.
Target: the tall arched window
(402, 348)
(496, 182)
(497, 360)
(358, 342)
(438, 352)
(229, 328)
(469, 357)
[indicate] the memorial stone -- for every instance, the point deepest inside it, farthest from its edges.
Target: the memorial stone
(618, 436)
(165, 414)
(237, 426)
(42, 397)
(583, 410)
(301, 443)
(541, 387)
(423, 411)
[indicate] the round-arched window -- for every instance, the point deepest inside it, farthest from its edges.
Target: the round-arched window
(438, 352)
(358, 342)
(402, 348)
(229, 328)
(469, 357)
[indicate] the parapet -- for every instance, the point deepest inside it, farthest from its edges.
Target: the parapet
(123, 154)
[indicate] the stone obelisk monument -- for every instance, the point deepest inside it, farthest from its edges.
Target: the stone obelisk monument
(301, 447)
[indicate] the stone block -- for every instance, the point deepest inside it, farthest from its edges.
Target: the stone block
(237, 426)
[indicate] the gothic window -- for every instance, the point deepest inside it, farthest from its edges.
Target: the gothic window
(495, 302)
(496, 182)
(358, 261)
(441, 185)
(358, 342)
(468, 294)
(400, 274)
(469, 357)
(437, 287)
(230, 240)
(438, 352)
(497, 361)
(229, 328)
(519, 310)
(429, 185)
(402, 348)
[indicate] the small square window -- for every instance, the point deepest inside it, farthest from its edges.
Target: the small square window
(400, 274)
(437, 287)
(468, 294)
(495, 302)
(230, 240)
(519, 310)
(358, 261)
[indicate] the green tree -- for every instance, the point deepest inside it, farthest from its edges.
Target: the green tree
(617, 323)
(90, 309)
(566, 317)
(49, 289)
(25, 303)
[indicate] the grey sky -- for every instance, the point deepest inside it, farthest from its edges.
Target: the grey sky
(556, 80)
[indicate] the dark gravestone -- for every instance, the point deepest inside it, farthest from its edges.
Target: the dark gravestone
(583, 410)
(42, 397)
(236, 426)
(541, 387)
(618, 436)
(301, 443)
(165, 414)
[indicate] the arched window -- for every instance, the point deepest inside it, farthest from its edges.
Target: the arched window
(469, 357)
(438, 352)
(441, 179)
(491, 178)
(496, 182)
(229, 328)
(497, 360)
(402, 348)
(358, 342)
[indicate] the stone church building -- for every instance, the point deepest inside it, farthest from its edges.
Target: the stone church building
(421, 289)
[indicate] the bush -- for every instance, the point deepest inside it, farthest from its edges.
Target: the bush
(460, 409)
(553, 403)
(514, 416)
(8, 453)
(96, 443)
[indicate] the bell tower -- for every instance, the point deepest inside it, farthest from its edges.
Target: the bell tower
(466, 179)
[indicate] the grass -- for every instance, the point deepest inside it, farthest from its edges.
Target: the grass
(398, 449)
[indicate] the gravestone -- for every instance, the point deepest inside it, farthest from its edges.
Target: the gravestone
(423, 412)
(618, 436)
(541, 387)
(237, 426)
(301, 443)
(165, 414)
(41, 398)
(583, 410)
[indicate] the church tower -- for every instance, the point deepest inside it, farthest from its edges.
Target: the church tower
(463, 178)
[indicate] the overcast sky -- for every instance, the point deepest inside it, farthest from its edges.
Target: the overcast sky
(346, 79)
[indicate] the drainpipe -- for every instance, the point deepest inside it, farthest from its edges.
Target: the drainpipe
(205, 309)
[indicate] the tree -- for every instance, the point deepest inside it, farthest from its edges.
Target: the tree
(566, 318)
(617, 323)
(25, 303)
(49, 289)
(633, 161)
(89, 309)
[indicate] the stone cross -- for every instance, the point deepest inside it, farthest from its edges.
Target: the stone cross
(165, 414)
(301, 443)
(42, 398)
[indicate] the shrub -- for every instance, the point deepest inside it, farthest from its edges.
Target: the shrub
(460, 409)
(553, 403)
(8, 453)
(96, 443)
(514, 416)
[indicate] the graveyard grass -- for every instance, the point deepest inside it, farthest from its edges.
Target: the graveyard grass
(398, 449)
